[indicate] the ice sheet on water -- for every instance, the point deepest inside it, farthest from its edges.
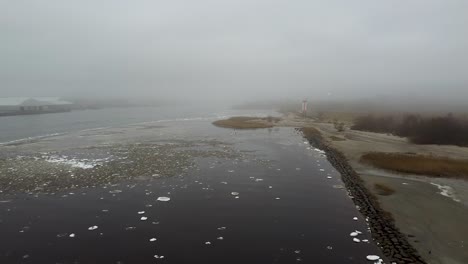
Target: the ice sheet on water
(163, 199)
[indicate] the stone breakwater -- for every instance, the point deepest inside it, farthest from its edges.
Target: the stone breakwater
(394, 244)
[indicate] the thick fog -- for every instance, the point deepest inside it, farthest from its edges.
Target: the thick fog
(234, 50)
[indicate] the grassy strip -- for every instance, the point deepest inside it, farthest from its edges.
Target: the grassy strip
(244, 122)
(310, 132)
(383, 189)
(418, 164)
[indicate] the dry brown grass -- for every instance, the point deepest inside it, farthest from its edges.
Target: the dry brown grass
(244, 122)
(383, 189)
(310, 132)
(418, 164)
(335, 138)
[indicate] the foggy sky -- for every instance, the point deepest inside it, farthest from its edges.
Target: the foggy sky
(235, 49)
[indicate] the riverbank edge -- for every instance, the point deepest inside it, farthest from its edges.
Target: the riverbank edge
(393, 243)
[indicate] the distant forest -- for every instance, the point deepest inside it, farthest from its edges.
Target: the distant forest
(440, 130)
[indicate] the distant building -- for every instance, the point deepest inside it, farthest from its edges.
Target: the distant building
(32, 105)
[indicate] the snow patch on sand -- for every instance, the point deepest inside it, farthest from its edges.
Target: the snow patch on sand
(446, 191)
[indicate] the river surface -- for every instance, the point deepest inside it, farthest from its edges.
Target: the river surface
(220, 196)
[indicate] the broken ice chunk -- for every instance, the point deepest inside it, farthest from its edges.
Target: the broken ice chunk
(164, 199)
(372, 257)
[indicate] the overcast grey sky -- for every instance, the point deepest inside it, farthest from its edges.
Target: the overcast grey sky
(234, 49)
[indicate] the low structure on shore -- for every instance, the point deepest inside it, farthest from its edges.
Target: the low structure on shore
(32, 105)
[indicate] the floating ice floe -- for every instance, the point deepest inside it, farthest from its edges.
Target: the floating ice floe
(357, 240)
(144, 218)
(152, 239)
(72, 235)
(75, 163)
(353, 234)
(234, 193)
(91, 228)
(141, 212)
(164, 199)
(373, 257)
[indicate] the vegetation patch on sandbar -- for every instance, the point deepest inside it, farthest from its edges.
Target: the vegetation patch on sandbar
(383, 189)
(244, 122)
(418, 164)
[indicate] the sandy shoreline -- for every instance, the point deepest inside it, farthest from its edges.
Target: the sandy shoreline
(427, 214)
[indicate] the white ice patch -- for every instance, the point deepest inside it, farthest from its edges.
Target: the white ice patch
(372, 257)
(446, 191)
(164, 199)
(75, 163)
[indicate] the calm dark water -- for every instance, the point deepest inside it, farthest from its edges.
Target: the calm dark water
(289, 210)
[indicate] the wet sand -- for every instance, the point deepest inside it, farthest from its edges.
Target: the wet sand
(262, 196)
